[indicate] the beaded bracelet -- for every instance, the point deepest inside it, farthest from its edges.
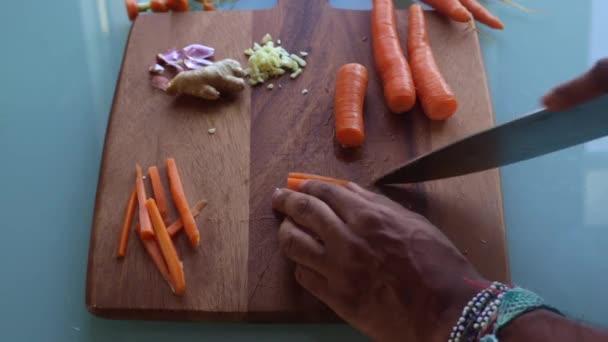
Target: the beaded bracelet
(492, 309)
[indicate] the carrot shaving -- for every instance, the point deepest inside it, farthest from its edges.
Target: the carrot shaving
(177, 226)
(159, 193)
(179, 198)
(144, 220)
(167, 248)
(126, 225)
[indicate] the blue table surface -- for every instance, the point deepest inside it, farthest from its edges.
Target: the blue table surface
(60, 62)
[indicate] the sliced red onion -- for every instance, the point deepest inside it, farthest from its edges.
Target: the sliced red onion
(196, 64)
(156, 69)
(198, 52)
(170, 56)
(160, 82)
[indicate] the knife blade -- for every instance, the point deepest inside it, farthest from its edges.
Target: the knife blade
(529, 136)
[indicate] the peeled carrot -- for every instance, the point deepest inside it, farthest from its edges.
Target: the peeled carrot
(155, 254)
(351, 85)
(159, 6)
(159, 192)
(295, 180)
(178, 5)
(481, 14)
(392, 66)
(179, 198)
(167, 248)
(144, 220)
(453, 9)
(437, 99)
(177, 226)
(126, 225)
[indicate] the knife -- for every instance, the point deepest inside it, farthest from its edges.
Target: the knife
(530, 136)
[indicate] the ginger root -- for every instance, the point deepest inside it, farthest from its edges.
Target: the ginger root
(209, 82)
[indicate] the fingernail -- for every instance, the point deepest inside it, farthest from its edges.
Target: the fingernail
(276, 193)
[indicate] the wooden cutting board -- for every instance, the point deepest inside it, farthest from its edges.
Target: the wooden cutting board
(238, 274)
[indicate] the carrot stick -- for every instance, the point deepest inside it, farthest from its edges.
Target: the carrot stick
(177, 226)
(144, 220)
(159, 6)
(155, 254)
(126, 225)
(436, 97)
(481, 14)
(295, 180)
(159, 192)
(452, 9)
(392, 66)
(167, 248)
(178, 5)
(351, 85)
(179, 198)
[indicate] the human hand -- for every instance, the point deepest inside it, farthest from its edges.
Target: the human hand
(384, 269)
(586, 87)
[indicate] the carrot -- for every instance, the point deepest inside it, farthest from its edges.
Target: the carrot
(453, 9)
(208, 7)
(126, 225)
(295, 180)
(157, 258)
(177, 226)
(179, 197)
(351, 85)
(144, 220)
(132, 9)
(436, 97)
(481, 14)
(167, 248)
(178, 5)
(159, 6)
(392, 66)
(159, 192)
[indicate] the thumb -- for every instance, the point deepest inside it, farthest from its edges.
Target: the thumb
(584, 88)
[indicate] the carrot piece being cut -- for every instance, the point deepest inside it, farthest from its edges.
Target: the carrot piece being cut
(126, 225)
(351, 85)
(144, 220)
(295, 180)
(167, 248)
(437, 99)
(393, 68)
(177, 226)
(159, 192)
(179, 198)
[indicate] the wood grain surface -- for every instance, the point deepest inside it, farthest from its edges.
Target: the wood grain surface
(238, 273)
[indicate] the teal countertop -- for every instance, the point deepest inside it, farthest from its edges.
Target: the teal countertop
(60, 63)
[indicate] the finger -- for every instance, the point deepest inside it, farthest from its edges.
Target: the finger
(314, 282)
(344, 202)
(582, 89)
(307, 211)
(300, 247)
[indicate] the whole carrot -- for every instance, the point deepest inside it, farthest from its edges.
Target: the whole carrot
(437, 99)
(126, 225)
(392, 66)
(178, 5)
(453, 9)
(144, 220)
(179, 198)
(351, 85)
(482, 14)
(159, 6)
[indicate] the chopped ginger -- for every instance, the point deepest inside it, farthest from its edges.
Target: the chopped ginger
(267, 61)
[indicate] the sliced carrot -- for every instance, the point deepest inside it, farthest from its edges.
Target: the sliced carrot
(179, 198)
(159, 192)
(295, 180)
(155, 254)
(178, 5)
(159, 6)
(177, 226)
(393, 68)
(126, 225)
(167, 248)
(146, 231)
(481, 14)
(437, 99)
(452, 9)
(351, 85)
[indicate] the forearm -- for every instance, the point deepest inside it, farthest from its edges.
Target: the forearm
(543, 325)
